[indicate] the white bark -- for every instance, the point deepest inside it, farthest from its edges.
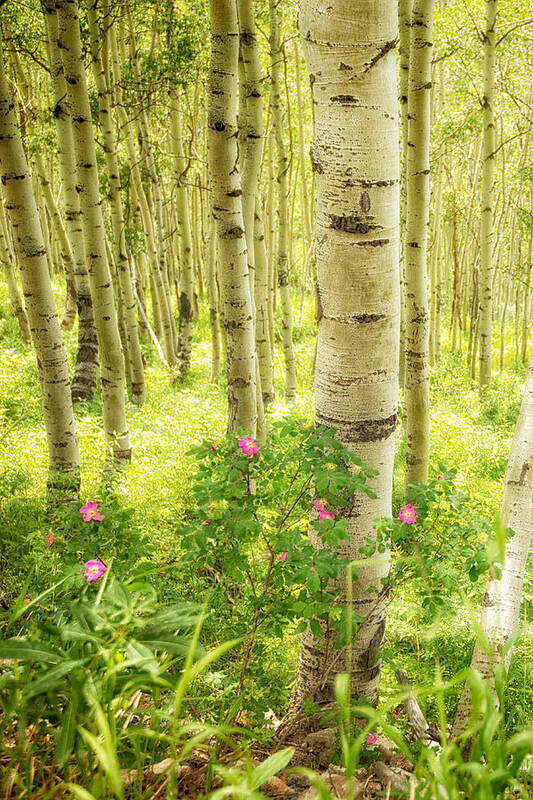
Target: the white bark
(349, 49)
(62, 438)
(227, 211)
(112, 372)
(501, 603)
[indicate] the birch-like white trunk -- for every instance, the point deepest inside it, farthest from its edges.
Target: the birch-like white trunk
(112, 371)
(282, 259)
(349, 49)
(120, 251)
(186, 293)
(227, 211)
(501, 604)
(487, 195)
(86, 369)
(17, 190)
(416, 231)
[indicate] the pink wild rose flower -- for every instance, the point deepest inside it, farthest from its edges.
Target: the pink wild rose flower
(90, 511)
(371, 738)
(408, 514)
(323, 513)
(248, 446)
(283, 556)
(206, 522)
(50, 538)
(93, 570)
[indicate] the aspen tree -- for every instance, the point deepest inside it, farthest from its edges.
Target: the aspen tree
(501, 604)
(62, 438)
(86, 368)
(163, 319)
(143, 131)
(487, 195)
(212, 298)
(404, 30)
(120, 252)
(112, 371)
(227, 211)
(416, 229)
(11, 280)
(349, 49)
(282, 262)
(186, 293)
(252, 143)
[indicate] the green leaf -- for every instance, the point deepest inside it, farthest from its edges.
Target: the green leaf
(79, 792)
(178, 645)
(28, 651)
(51, 678)
(270, 767)
(66, 737)
(105, 751)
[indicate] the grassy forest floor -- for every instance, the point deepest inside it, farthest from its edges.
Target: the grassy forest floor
(471, 436)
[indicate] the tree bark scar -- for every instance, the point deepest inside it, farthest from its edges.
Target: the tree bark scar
(345, 99)
(386, 48)
(315, 164)
(364, 202)
(352, 223)
(366, 430)
(373, 243)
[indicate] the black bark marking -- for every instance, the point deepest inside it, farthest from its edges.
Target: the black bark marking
(366, 430)
(345, 99)
(364, 202)
(343, 66)
(386, 48)
(352, 223)
(373, 243)
(315, 164)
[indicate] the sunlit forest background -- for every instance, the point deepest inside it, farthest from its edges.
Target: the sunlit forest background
(181, 649)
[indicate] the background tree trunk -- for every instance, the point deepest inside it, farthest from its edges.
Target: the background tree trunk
(416, 230)
(227, 211)
(62, 438)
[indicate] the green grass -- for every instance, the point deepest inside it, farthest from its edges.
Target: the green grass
(472, 436)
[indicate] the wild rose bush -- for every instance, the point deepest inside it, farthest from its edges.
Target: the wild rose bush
(256, 510)
(441, 537)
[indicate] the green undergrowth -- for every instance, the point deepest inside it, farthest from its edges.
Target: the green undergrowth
(469, 436)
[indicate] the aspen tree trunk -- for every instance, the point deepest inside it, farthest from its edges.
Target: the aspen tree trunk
(501, 604)
(227, 211)
(306, 217)
(283, 218)
(271, 242)
(86, 369)
(349, 49)
(141, 123)
(120, 251)
(416, 228)
(62, 438)
(527, 290)
(186, 293)
(61, 237)
(487, 196)
(159, 290)
(404, 22)
(112, 369)
(252, 144)
(502, 328)
(12, 286)
(212, 298)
